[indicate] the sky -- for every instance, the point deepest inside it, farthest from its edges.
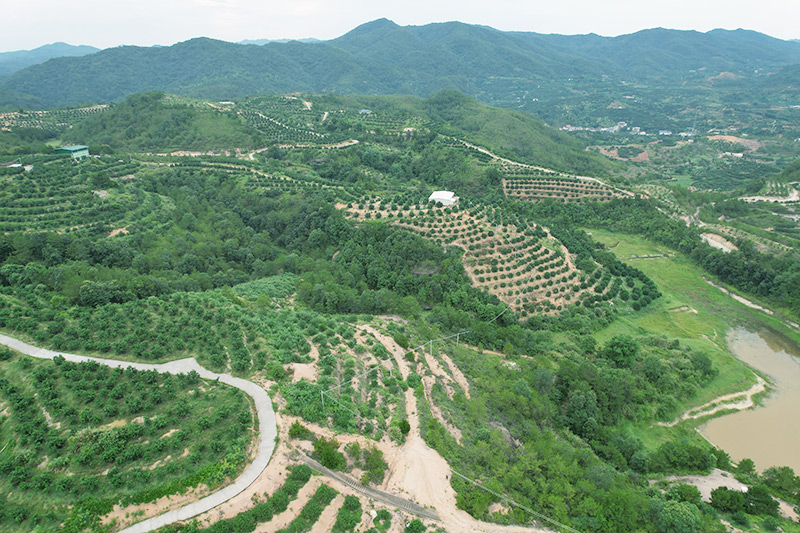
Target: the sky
(27, 24)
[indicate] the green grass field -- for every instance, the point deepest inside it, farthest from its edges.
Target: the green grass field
(690, 310)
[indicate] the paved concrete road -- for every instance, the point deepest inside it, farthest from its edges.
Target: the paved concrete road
(268, 430)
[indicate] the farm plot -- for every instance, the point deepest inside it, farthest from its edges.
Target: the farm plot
(286, 184)
(362, 383)
(55, 120)
(276, 130)
(519, 262)
(82, 438)
(532, 184)
(383, 122)
(62, 195)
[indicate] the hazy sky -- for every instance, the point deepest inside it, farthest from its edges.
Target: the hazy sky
(27, 24)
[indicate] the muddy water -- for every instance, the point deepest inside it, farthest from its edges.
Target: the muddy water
(769, 435)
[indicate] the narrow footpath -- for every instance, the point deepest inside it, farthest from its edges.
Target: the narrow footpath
(268, 429)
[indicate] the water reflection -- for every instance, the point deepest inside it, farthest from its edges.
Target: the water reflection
(769, 435)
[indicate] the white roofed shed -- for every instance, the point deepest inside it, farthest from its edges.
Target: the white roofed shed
(443, 197)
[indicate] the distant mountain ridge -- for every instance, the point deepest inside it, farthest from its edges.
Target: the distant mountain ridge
(11, 62)
(260, 42)
(381, 57)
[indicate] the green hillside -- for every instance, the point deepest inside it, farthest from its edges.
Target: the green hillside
(11, 62)
(155, 122)
(312, 263)
(380, 57)
(151, 121)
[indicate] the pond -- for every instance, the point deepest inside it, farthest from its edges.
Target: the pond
(769, 434)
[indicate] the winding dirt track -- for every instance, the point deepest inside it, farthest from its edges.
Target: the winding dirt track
(266, 423)
(738, 401)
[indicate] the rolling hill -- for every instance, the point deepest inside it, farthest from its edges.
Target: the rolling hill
(11, 62)
(381, 57)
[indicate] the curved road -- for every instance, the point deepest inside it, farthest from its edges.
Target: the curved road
(268, 430)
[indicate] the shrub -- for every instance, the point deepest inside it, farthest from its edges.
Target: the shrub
(299, 431)
(327, 451)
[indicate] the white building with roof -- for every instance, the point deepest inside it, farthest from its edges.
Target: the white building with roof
(445, 198)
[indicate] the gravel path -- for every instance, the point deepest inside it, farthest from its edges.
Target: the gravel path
(375, 494)
(266, 423)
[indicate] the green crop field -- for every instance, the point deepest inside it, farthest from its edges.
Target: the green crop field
(80, 438)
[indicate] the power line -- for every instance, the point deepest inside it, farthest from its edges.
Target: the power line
(516, 504)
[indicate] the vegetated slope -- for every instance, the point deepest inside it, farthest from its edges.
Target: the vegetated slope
(512, 133)
(659, 52)
(520, 263)
(80, 438)
(60, 195)
(151, 121)
(154, 122)
(788, 76)
(790, 173)
(11, 62)
(381, 57)
(570, 405)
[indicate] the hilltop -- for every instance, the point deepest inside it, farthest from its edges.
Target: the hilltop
(157, 122)
(11, 62)
(381, 57)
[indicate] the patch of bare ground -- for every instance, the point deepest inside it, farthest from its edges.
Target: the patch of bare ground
(158, 463)
(500, 508)
(719, 242)
(751, 144)
(48, 418)
(719, 478)
(738, 401)
(285, 518)
(117, 231)
(458, 376)
(307, 371)
(328, 516)
(125, 516)
(683, 309)
(613, 153)
(169, 433)
(439, 372)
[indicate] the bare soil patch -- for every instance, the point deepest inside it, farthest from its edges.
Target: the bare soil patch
(719, 242)
(117, 231)
(719, 478)
(738, 401)
(750, 144)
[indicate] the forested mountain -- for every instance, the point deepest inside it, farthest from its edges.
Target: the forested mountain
(11, 62)
(381, 57)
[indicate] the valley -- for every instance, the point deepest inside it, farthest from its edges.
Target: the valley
(246, 311)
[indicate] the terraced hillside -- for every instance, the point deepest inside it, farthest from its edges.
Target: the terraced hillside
(55, 120)
(520, 262)
(61, 195)
(531, 184)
